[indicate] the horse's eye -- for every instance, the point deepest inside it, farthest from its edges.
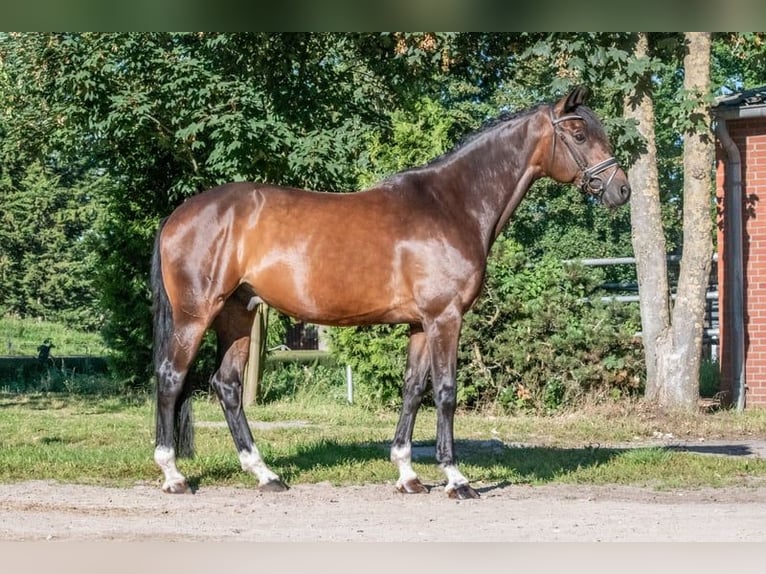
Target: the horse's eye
(579, 137)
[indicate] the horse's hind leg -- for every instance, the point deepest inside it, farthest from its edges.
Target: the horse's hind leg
(233, 326)
(415, 379)
(174, 432)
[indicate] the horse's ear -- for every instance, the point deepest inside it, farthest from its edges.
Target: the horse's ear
(576, 97)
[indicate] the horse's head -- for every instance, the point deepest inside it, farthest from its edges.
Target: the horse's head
(581, 153)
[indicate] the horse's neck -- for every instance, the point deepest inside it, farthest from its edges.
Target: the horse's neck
(519, 191)
(502, 169)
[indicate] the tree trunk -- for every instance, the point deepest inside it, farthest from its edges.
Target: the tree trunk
(689, 309)
(647, 233)
(673, 339)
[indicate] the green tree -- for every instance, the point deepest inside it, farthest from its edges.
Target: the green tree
(665, 83)
(48, 261)
(738, 60)
(118, 129)
(49, 211)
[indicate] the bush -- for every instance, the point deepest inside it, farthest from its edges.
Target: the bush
(377, 356)
(710, 378)
(540, 338)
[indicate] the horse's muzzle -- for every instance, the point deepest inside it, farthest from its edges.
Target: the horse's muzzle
(616, 195)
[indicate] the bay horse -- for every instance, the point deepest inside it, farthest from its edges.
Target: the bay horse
(412, 249)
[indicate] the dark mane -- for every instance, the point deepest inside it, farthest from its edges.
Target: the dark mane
(489, 125)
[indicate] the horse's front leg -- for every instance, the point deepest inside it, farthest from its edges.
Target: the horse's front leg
(415, 377)
(227, 382)
(443, 335)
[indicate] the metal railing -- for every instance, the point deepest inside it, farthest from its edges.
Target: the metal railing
(712, 328)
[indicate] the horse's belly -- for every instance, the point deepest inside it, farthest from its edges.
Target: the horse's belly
(333, 298)
(339, 310)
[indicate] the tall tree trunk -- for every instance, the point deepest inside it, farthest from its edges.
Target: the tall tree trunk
(689, 309)
(673, 339)
(647, 233)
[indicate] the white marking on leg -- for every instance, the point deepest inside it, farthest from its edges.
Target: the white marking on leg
(166, 460)
(252, 462)
(401, 456)
(455, 478)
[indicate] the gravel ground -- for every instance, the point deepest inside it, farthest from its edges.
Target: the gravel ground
(47, 510)
(33, 511)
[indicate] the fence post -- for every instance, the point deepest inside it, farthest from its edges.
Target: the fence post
(256, 354)
(349, 385)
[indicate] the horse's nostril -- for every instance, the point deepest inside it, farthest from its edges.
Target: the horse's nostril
(625, 191)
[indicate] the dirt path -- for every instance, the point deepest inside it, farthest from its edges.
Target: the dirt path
(51, 511)
(41, 510)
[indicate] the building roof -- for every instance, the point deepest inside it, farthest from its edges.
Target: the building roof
(743, 99)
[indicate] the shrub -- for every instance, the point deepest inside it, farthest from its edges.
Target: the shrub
(710, 378)
(377, 356)
(540, 338)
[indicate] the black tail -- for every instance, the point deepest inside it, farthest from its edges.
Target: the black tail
(183, 433)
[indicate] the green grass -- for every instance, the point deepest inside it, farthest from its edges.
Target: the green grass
(25, 335)
(109, 440)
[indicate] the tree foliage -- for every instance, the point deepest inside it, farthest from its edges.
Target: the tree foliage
(104, 134)
(50, 210)
(48, 253)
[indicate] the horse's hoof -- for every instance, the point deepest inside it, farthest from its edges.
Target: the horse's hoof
(275, 485)
(177, 487)
(462, 492)
(413, 486)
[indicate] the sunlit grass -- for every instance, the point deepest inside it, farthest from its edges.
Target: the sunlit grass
(21, 337)
(109, 440)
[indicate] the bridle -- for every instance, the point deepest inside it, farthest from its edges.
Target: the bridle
(589, 182)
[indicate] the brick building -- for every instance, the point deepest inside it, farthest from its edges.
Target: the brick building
(741, 203)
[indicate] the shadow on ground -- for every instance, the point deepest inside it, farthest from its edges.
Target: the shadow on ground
(494, 460)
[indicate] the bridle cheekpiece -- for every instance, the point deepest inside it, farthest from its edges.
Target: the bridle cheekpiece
(589, 182)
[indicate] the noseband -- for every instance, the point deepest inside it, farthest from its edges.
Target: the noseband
(589, 182)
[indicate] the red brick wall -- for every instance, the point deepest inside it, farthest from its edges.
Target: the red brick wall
(750, 137)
